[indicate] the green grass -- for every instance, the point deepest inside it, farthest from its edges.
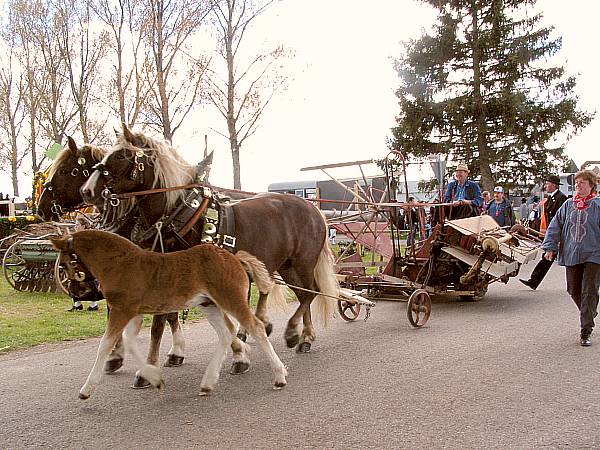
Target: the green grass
(32, 318)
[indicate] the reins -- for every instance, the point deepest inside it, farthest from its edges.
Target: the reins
(156, 191)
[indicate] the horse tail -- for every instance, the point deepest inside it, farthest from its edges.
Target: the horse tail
(257, 271)
(263, 280)
(326, 282)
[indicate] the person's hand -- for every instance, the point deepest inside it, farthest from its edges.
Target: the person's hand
(549, 255)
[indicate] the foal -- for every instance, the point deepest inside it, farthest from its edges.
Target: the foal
(137, 282)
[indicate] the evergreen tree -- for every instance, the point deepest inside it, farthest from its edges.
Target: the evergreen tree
(479, 90)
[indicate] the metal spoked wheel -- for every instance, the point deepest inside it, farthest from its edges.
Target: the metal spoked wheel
(419, 308)
(348, 310)
(15, 268)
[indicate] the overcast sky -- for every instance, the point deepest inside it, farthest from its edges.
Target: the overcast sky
(340, 104)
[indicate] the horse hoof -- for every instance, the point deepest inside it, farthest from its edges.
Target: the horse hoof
(174, 361)
(83, 396)
(303, 348)
(205, 391)
(278, 386)
(239, 367)
(161, 385)
(242, 337)
(292, 341)
(113, 365)
(140, 383)
(269, 329)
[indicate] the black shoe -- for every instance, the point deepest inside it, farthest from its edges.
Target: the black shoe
(93, 308)
(586, 341)
(528, 283)
(75, 308)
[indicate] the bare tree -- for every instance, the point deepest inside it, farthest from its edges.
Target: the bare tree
(82, 51)
(124, 20)
(11, 116)
(175, 72)
(242, 90)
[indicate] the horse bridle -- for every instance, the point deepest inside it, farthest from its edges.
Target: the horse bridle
(56, 208)
(136, 174)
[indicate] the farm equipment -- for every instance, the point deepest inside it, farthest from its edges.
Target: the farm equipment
(459, 257)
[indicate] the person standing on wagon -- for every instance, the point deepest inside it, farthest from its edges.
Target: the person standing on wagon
(464, 194)
(550, 205)
(574, 234)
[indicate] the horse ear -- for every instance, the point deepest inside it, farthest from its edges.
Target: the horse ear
(127, 133)
(203, 168)
(72, 145)
(62, 243)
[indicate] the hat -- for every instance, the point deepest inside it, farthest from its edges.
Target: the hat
(553, 179)
(499, 189)
(462, 166)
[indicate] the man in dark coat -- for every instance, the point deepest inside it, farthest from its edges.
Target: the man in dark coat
(554, 200)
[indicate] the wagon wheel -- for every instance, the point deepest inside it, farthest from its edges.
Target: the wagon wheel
(15, 268)
(348, 310)
(60, 276)
(418, 308)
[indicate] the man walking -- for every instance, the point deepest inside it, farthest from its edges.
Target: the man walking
(575, 234)
(553, 201)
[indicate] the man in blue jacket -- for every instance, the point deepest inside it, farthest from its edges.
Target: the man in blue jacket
(463, 194)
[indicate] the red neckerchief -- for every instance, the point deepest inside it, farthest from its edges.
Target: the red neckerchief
(582, 202)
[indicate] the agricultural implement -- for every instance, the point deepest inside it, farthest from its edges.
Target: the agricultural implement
(458, 257)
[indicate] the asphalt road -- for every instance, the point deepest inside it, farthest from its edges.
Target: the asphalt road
(506, 372)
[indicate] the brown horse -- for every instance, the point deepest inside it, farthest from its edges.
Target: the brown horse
(287, 233)
(138, 282)
(69, 171)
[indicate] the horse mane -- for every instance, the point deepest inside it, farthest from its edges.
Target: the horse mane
(96, 152)
(170, 169)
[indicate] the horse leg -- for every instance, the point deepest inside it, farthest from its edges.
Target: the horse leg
(257, 330)
(242, 334)
(292, 331)
(147, 371)
(261, 312)
(308, 331)
(225, 333)
(156, 332)
(175, 355)
(115, 359)
(114, 327)
(241, 361)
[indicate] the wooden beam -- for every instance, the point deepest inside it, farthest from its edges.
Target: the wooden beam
(345, 164)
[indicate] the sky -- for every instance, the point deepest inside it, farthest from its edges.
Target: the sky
(340, 104)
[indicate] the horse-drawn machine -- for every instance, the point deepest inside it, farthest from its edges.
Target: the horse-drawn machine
(458, 257)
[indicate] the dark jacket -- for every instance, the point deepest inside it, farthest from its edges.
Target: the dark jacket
(553, 203)
(502, 213)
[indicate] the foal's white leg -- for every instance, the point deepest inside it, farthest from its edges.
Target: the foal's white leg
(215, 317)
(279, 370)
(147, 371)
(107, 343)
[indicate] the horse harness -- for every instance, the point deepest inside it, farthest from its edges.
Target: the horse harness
(179, 225)
(56, 208)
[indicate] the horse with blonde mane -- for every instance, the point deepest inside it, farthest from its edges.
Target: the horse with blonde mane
(138, 282)
(287, 233)
(68, 172)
